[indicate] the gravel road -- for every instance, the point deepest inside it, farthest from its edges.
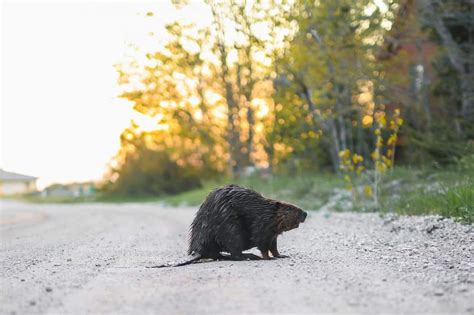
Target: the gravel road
(91, 258)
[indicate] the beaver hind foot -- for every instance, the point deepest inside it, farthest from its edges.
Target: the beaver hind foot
(242, 256)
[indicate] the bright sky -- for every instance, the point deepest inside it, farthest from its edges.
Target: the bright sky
(60, 115)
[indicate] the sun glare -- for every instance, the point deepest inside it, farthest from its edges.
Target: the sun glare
(61, 83)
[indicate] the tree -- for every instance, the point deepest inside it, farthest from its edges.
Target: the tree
(332, 68)
(203, 87)
(453, 22)
(177, 87)
(245, 48)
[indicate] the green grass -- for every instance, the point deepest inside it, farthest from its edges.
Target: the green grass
(450, 201)
(448, 192)
(309, 191)
(190, 198)
(41, 200)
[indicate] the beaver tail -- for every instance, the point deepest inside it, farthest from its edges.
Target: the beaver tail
(184, 263)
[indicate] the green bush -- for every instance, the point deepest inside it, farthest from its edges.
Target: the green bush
(451, 201)
(152, 173)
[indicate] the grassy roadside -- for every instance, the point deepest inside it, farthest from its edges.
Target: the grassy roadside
(310, 192)
(449, 193)
(413, 191)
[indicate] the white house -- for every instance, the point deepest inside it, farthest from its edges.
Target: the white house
(85, 189)
(13, 183)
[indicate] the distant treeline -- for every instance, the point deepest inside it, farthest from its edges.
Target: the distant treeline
(286, 86)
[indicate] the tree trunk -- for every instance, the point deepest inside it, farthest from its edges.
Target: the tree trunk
(328, 126)
(461, 60)
(467, 90)
(233, 131)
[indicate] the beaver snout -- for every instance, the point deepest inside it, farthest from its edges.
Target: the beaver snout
(303, 216)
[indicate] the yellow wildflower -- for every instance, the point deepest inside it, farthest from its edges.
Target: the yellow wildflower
(392, 139)
(368, 190)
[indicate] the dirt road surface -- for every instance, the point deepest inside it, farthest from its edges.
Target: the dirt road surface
(91, 258)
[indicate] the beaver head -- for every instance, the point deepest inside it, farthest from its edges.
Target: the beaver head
(288, 216)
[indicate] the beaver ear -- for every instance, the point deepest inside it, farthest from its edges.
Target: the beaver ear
(277, 205)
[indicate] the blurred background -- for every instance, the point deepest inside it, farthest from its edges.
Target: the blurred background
(363, 105)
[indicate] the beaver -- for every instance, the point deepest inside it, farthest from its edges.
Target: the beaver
(233, 219)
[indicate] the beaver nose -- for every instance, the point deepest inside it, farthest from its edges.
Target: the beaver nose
(303, 216)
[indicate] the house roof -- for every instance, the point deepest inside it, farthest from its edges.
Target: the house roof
(9, 176)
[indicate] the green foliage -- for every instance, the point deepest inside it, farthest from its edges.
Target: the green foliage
(162, 176)
(383, 157)
(330, 81)
(289, 85)
(206, 89)
(430, 88)
(457, 202)
(443, 147)
(408, 191)
(175, 89)
(150, 171)
(190, 198)
(36, 198)
(310, 191)
(466, 163)
(448, 192)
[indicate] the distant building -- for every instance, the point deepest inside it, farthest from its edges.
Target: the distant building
(70, 190)
(14, 184)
